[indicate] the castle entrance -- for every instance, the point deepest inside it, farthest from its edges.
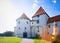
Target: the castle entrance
(25, 34)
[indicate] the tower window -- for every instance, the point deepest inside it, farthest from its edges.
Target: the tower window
(37, 21)
(19, 22)
(25, 27)
(19, 27)
(27, 22)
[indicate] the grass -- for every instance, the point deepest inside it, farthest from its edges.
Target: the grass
(40, 41)
(10, 40)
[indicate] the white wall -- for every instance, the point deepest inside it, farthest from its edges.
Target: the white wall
(42, 23)
(34, 23)
(42, 19)
(58, 25)
(34, 31)
(22, 25)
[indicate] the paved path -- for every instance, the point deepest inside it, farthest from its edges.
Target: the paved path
(24, 40)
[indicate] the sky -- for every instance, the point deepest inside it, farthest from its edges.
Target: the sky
(10, 10)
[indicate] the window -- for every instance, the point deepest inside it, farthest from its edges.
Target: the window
(48, 26)
(38, 16)
(55, 24)
(37, 21)
(32, 22)
(25, 27)
(47, 32)
(19, 22)
(19, 27)
(27, 22)
(38, 30)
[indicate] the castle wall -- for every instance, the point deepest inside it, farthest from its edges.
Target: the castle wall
(58, 25)
(24, 27)
(42, 19)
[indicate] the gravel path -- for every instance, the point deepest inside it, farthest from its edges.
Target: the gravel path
(24, 40)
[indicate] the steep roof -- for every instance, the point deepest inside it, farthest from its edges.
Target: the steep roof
(55, 18)
(23, 16)
(40, 11)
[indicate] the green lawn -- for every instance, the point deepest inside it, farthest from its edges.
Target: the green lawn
(9, 40)
(40, 41)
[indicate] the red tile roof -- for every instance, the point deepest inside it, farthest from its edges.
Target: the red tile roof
(40, 12)
(55, 18)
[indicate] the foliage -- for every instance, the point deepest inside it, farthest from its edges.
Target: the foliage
(7, 33)
(56, 41)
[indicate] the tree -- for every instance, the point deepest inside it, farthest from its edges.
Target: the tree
(8, 33)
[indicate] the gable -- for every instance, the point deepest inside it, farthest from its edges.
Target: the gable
(40, 11)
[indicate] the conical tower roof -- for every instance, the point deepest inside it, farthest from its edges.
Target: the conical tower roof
(40, 11)
(23, 16)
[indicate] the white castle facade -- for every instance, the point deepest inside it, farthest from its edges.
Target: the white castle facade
(31, 28)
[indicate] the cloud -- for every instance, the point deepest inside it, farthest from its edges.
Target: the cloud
(35, 3)
(54, 1)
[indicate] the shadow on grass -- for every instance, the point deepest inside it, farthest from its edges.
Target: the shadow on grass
(32, 38)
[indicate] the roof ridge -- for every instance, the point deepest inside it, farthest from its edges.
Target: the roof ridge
(55, 18)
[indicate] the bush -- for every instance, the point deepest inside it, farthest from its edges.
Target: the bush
(56, 41)
(8, 33)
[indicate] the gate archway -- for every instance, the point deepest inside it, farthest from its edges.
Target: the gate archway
(25, 34)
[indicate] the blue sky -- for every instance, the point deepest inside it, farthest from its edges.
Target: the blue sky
(10, 10)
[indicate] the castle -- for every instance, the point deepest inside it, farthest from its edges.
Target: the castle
(40, 21)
